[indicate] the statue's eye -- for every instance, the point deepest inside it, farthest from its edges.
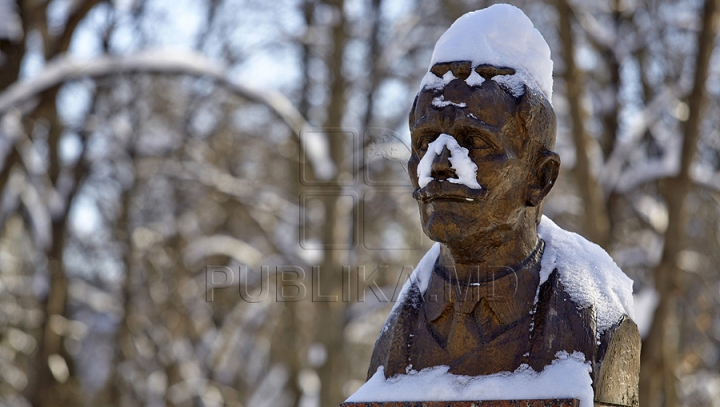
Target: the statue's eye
(477, 142)
(424, 141)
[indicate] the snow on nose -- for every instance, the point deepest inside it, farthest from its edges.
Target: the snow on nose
(460, 161)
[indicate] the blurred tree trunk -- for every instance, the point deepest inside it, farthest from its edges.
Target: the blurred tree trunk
(116, 391)
(597, 223)
(610, 114)
(290, 344)
(52, 389)
(307, 11)
(331, 315)
(375, 75)
(55, 382)
(658, 380)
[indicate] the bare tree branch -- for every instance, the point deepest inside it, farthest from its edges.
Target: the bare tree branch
(62, 43)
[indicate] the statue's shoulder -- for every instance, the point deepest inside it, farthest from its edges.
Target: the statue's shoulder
(394, 334)
(586, 300)
(587, 274)
(560, 324)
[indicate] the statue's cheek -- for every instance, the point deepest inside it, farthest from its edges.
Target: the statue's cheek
(412, 170)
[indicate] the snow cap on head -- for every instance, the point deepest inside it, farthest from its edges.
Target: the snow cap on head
(500, 35)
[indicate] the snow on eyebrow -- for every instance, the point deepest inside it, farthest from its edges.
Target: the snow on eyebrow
(500, 35)
(432, 81)
(464, 167)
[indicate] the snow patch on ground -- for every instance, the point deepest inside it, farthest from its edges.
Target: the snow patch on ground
(567, 377)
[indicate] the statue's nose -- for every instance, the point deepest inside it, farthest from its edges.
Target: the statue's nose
(441, 168)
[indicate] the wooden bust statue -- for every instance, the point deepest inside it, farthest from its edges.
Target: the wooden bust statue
(504, 289)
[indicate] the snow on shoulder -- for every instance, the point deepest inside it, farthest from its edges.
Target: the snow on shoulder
(588, 273)
(567, 377)
(500, 35)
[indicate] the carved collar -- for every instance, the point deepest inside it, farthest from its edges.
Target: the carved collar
(509, 295)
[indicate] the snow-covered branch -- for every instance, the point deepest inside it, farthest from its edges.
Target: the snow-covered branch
(668, 165)
(616, 176)
(170, 63)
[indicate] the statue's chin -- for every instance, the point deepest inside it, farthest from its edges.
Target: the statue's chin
(461, 225)
(445, 227)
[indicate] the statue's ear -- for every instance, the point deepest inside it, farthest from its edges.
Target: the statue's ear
(542, 181)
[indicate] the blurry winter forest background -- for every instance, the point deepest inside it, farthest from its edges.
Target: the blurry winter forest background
(143, 141)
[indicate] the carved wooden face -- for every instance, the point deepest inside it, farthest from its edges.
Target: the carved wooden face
(484, 120)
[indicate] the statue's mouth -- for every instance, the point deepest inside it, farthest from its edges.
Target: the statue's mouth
(457, 198)
(436, 191)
